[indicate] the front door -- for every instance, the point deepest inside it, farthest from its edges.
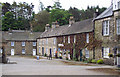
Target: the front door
(12, 52)
(42, 51)
(50, 51)
(34, 52)
(80, 55)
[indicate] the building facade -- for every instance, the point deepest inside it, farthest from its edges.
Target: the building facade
(107, 29)
(68, 41)
(20, 42)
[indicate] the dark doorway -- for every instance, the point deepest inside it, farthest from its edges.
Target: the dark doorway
(50, 51)
(42, 51)
(81, 55)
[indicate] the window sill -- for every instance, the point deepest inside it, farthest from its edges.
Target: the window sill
(106, 35)
(118, 34)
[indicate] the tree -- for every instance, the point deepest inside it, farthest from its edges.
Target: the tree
(41, 6)
(59, 15)
(6, 7)
(22, 15)
(57, 5)
(40, 20)
(8, 21)
(75, 12)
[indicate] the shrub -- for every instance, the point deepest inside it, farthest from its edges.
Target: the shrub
(110, 55)
(93, 61)
(66, 58)
(118, 55)
(100, 61)
(60, 57)
(45, 55)
(89, 60)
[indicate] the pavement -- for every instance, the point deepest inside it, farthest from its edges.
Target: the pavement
(30, 66)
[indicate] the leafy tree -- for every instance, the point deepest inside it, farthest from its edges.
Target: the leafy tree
(6, 7)
(75, 12)
(57, 5)
(40, 20)
(41, 6)
(8, 21)
(22, 15)
(59, 15)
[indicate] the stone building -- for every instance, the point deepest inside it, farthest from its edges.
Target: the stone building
(61, 39)
(20, 42)
(107, 29)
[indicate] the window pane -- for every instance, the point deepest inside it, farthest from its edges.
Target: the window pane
(118, 26)
(34, 43)
(23, 51)
(23, 43)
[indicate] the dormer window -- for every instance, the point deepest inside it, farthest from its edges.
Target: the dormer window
(119, 5)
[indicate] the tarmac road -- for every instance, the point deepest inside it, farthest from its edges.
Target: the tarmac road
(29, 66)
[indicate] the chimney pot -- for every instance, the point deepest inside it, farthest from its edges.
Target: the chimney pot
(71, 20)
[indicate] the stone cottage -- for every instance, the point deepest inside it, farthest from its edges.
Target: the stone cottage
(19, 42)
(107, 29)
(74, 38)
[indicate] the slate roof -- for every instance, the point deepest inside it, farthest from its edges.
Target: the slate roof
(77, 27)
(20, 35)
(108, 12)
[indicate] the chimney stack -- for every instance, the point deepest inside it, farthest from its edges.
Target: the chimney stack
(55, 25)
(47, 27)
(95, 14)
(71, 21)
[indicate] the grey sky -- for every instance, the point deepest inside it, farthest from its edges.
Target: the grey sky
(80, 4)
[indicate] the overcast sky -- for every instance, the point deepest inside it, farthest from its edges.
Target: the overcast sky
(80, 4)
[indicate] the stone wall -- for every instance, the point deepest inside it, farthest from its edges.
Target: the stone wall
(42, 43)
(18, 47)
(80, 43)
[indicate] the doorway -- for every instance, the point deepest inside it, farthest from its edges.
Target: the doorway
(50, 51)
(42, 51)
(81, 55)
(34, 52)
(12, 52)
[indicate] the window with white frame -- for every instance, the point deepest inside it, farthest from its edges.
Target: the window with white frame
(54, 41)
(74, 38)
(105, 52)
(87, 37)
(118, 26)
(86, 53)
(43, 42)
(23, 51)
(1, 50)
(12, 44)
(64, 39)
(105, 28)
(68, 39)
(23, 43)
(39, 42)
(34, 43)
(47, 41)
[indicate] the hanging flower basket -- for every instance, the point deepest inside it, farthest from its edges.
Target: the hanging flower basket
(110, 55)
